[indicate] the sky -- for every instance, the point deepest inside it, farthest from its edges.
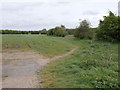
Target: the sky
(40, 14)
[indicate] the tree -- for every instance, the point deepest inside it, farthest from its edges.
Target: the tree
(44, 31)
(108, 28)
(83, 31)
(70, 31)
(57, 31)
(62, 26)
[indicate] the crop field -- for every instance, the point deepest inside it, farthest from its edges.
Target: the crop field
(93, 65)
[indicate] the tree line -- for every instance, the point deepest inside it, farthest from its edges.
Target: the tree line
(107, 30)
(44, 31)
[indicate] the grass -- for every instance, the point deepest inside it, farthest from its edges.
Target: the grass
(93, 65)
(47, 46)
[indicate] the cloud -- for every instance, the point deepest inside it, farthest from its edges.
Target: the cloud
(10, 6)
(63, 2)
(119, 8)
(90, 13)
(50, 13)
(59, 0)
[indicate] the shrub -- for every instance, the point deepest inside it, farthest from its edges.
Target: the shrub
(70, 31)
(84, 31)
(108, 28)
(57, 31)
(44, 31)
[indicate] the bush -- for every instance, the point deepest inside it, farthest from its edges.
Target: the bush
(84, 31)
(70, 31)
(44, 31)
(108, 28)
(57, 31)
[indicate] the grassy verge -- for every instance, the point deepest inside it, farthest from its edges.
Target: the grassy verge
(93, 65)
(45, 45)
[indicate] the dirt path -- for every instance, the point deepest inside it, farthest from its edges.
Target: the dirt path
(66, 54)
(21, 67)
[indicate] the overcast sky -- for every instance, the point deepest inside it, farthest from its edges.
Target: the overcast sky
(39, 14)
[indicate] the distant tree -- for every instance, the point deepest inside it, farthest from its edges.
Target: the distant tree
(34, 32)
(60, 31)
(62, 26)
(44, 31)
(57, 31)
(50, 31)
(84, 31)
(10, 32)
(24, 32)
(108, 28)
(70, 31)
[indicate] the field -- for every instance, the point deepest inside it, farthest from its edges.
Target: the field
(47, 46)
(93, 65)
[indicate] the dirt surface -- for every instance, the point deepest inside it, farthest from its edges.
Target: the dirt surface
(21, 67)
(0, 71)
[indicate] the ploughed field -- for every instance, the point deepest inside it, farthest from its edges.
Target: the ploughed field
(93, 65)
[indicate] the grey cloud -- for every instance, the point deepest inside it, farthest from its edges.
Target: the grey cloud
(90, 13)
(65, 13)
(64, 2)
(16, 6)
(57, 4)
(119, 8)
(41, 15)
(11, 6)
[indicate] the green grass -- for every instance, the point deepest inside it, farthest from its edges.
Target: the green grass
(45, 45)
(93, 65)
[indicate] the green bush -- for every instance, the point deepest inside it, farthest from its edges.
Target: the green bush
(44, 31)
(109, 29)
(57, 31)
(84, 31)
(70, 31)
